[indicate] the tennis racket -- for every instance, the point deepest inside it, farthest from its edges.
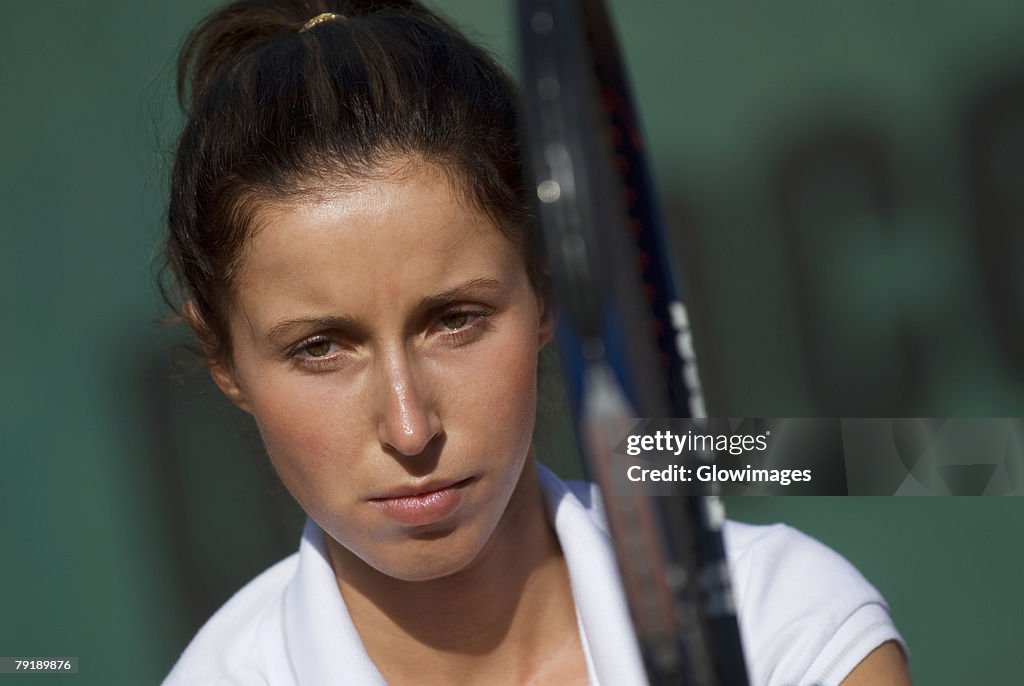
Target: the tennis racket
(623, 333)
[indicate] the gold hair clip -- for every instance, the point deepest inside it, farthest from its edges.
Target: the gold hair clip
(320, 19)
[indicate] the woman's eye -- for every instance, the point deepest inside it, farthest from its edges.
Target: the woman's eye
(455, 321)
(314, 349)
(460, 327)
(317, 348)
(322, 353)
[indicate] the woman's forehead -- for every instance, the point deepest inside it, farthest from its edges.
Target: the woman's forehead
(384, 241)
(404, 215)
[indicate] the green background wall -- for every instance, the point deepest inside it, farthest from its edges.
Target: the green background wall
(130, 504)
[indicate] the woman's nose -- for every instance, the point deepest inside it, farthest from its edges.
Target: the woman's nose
(408, 419)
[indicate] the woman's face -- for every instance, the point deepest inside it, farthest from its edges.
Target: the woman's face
(385, 339)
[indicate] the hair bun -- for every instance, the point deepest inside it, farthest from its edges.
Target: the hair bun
(226, 36)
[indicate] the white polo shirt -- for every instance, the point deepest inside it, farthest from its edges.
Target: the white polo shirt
(807, 617)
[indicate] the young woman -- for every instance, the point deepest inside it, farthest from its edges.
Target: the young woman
(351, 238)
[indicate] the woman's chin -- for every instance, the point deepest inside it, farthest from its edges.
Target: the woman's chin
(432, 553)
(426, 559)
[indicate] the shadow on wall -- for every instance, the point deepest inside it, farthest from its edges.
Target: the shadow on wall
(903, 285)
(222, 511)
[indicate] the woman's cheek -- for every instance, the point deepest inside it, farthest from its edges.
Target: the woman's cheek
(507, 384)
(306, 432)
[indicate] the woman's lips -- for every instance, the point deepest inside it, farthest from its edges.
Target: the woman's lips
(428, 505)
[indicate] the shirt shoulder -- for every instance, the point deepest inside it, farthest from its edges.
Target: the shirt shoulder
(226, 651)
(807, 616)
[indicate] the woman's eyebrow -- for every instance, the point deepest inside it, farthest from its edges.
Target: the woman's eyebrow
(465, 289)
(283, 328)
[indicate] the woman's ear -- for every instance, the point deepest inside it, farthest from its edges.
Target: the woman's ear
(220, 367)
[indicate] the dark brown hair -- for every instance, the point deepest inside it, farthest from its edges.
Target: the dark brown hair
(279, 110)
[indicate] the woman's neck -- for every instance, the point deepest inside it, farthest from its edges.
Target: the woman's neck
(509, 616)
